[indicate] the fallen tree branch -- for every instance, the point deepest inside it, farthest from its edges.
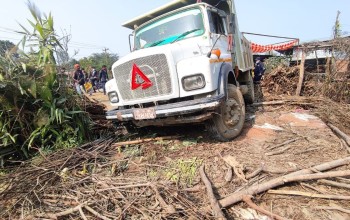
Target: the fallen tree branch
(333, 183)
(333, 208)
(144, 140)
(250, 203)
(253, 190)
(307, 194)
(217, 212)
(340, 134)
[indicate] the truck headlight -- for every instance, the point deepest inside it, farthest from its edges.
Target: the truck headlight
(113, 97)
(193, 82)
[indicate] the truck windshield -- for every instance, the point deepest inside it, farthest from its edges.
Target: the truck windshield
(170, 29)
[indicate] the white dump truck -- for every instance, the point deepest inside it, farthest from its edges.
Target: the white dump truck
(189, 63)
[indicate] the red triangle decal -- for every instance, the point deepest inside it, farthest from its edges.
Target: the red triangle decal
(138, 78)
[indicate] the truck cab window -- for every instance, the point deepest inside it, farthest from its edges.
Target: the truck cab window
(175, 27)
(217, 24)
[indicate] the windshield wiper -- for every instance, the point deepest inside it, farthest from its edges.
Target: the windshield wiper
(184, 34)
(156, 43)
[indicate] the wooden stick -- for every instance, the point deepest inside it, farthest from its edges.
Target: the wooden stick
(96, 213)
(169, 208)
(333, 183)
(256, 172)
(311, 187)
(340, 134)
(268, 103)
(67, 212)
(250, 203)
(253, 190)
(278, 151)
(284, 143)
(312, 195)
(333, 208)
(144, 140)
(217, 212)
(82, 214)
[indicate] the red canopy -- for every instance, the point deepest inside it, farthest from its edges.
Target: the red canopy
(257, 48)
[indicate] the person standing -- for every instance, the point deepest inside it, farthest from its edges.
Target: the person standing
(259, 70)
(93, 77)
(78, 78)
(103, 78)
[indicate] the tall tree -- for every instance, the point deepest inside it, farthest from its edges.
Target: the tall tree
(99, 59)
(5, 45)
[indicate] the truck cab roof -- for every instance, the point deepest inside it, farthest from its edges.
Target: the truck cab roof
(173, 5)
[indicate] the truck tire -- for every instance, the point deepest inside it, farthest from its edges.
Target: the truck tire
(228, 123)
(249, 98)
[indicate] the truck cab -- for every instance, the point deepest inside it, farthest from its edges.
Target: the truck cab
(188, 64)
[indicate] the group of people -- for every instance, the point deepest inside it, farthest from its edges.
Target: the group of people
(81, 77)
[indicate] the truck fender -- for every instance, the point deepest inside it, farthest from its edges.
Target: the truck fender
(226, 76)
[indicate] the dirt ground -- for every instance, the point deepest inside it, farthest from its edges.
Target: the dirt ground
(154, 172)
(261, 143)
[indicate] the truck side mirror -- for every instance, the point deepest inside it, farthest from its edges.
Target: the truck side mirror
(231, 23)
(131, 36)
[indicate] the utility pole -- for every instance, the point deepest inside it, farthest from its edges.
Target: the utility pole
(337, 27)
(106, 55)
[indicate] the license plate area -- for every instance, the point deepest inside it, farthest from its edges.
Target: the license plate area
(144, 113)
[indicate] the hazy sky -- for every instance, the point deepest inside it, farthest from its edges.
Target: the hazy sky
(96, 24)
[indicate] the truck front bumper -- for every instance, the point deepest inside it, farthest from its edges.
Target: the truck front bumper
(173, 109)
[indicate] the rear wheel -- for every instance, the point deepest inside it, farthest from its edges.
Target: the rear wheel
(249, 97)
(228, 123)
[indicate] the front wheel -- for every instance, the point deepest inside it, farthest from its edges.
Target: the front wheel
(229, 120)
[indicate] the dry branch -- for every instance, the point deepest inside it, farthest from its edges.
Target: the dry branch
(169, 208)
(250, 203)
(269, 103)
(237, 167)
(92, 211)
(333, 183)
(217, 212)
(66, 212)
(340, 134)
(253, 190)
(281, 151)
(284, 143)
(307, 194)
(333, 208)
(144, 140)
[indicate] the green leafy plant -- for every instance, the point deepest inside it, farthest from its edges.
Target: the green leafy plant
(34, 112)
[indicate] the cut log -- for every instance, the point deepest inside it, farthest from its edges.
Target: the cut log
(262, 187)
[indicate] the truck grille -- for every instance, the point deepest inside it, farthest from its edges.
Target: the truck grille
(155, 67)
